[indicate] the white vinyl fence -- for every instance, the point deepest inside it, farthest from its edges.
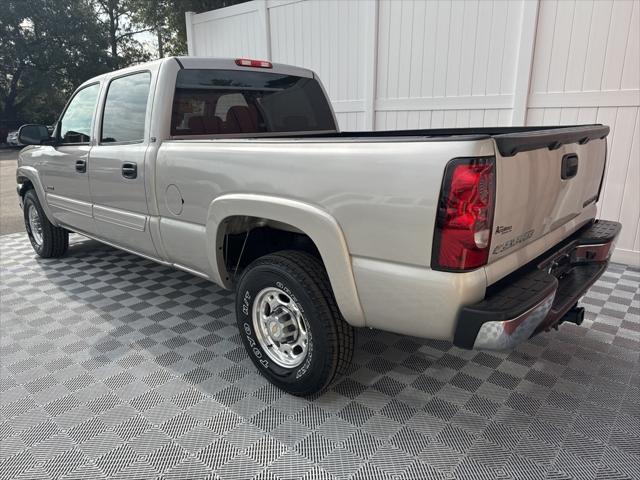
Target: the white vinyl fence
(398, 64)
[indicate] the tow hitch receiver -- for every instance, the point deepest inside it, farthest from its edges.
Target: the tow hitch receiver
(575, 315)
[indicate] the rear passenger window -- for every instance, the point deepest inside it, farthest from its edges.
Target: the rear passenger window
(218, 102)
(125, 109)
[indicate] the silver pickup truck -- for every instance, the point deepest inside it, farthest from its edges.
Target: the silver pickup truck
(234, 170)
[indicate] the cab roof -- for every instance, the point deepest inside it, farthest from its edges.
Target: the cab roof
(204, 63)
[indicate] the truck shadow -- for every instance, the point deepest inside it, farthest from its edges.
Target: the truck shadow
(159, 347)
(130, 311)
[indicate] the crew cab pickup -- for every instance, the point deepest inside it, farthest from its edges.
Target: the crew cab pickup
(234, 170)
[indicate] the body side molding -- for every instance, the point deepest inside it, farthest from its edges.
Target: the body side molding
(70, 205)
(122, 218)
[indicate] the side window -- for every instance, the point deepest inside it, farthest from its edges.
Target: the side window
(75, 124)
(125, 109)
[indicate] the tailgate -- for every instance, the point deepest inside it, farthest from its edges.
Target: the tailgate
(544, 179)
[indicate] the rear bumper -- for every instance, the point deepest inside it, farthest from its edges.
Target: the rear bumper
(537, 297)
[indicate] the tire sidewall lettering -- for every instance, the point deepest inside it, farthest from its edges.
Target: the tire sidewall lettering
(246, 300)
(254, 347)
(292, 295)
(304, 368)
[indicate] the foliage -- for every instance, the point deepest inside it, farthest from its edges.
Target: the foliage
(116, 17)
(167, 20)
(47, 47)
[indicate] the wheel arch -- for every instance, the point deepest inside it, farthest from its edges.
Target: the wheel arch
(29, 175)
(323, 230)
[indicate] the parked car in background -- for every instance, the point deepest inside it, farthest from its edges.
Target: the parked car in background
(235, 171)
(12, 139)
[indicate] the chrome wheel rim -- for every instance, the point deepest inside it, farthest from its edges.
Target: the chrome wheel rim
(280, 327)
(35, 225)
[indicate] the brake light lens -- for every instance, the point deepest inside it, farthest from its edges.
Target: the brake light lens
(465, 215)
(247, 62)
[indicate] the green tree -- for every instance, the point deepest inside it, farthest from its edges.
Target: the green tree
(167, 21)
(47, 47)
(118, 22)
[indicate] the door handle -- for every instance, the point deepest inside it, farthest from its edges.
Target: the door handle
(129, 170)
(81, 166)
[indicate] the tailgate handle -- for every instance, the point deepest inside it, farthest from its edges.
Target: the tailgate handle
(569, 166)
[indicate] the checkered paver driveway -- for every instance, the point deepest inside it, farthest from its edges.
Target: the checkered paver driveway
(112, 366)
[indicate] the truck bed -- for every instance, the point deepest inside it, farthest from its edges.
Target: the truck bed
(529, 162)
(510, 140)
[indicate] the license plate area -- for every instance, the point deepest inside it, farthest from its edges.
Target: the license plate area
(560, 262)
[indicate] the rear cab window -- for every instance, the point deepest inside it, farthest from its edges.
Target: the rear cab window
(228, 102)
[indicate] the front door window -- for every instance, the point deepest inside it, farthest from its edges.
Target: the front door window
(75, 124)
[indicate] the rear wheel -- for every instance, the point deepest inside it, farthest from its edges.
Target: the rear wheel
(46, 239)
(290, 323)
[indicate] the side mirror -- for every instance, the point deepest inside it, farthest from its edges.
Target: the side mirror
(33, 134)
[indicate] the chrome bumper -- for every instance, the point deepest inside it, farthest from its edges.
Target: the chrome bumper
(505, 334)
(538, 297)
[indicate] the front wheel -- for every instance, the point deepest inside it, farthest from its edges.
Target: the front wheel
(290, 324)
(46, 239)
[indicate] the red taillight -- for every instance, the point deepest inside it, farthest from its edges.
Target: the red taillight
(247, 62)
(465, 215)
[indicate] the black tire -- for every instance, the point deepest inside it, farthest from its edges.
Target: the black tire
(55, 240)
(330, 337)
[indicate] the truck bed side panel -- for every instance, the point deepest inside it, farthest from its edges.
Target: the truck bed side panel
(383, 195)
